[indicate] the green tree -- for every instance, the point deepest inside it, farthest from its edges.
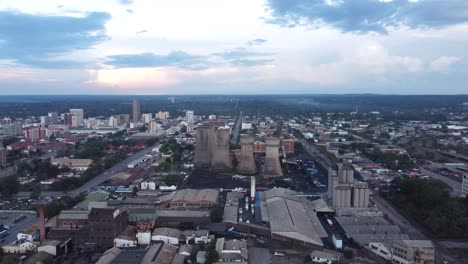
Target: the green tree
(11, 259)
(216, 214)
(212, 255)
(9, 186)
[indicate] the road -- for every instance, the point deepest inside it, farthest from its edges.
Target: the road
(236, 131)
(453, 184)
(103, 176)
(31, 218)
(441, 254)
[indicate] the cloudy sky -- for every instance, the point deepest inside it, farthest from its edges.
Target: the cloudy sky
(233, 46)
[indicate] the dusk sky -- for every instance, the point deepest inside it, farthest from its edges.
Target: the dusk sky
(233, 46)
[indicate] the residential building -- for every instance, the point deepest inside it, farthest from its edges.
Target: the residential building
(162, 115)
(413, 252)
(13, 129)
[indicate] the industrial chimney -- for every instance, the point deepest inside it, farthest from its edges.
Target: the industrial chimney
(202, 156)
(221, 159)
(246, 164)
(272, 163)
(252, 188)
(42, 223)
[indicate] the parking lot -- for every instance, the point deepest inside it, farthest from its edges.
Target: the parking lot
(16, 221)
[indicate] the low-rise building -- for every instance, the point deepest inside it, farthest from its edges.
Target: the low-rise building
(74, 164)
(167, 235)
(413, 251)
(322, 256)
(232, 250)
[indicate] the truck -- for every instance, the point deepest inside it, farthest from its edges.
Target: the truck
(337, 241)
(330, 223)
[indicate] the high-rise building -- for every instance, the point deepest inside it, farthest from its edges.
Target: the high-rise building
(35, 133)
(113, 121)
(124, 118)
(190, 121)
(53, 117)
(3, 156)
(136, 111)
(13, 129)
(45, 120)
(146, 118)
(79, 117)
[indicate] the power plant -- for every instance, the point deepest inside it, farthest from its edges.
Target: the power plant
(246, 164)
(203, 149)
(221, 158)
(272, 164)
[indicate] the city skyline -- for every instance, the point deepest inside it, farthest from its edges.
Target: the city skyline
(233, 47)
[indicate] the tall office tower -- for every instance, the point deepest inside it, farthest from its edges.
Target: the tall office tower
(79, 117)
(53, 117)
(3, 156)
(272, 163)
(203, 149)
(136, 111)
(246, 164)
(190, 121)
(221, 158)
(13, 129)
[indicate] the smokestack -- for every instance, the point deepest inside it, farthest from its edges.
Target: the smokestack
(202, 156)
(272, 163)
(221, 159)
(246, 164)
(252, 188)
(42, 223)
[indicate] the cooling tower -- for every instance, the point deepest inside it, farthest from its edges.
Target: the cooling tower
(272, 163)
(221, 159)
(246, 164)
(202, 156)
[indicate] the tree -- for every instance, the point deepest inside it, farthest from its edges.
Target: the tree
(9, 186)
(35, 192)
(11, 259)
(212, 255)
(216, 214)
(165, 166)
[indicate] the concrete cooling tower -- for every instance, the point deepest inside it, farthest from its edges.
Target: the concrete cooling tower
(203, 149)
(221, 158)
(246, 164)
(272, 163)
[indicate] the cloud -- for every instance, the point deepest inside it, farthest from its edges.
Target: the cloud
(142, 31)
(254, 42)
(38, 40)
(129, 11)
(363, 16)
(443, 64)
(251, 62)
(125, 2)
(145, 60)
(240, 53)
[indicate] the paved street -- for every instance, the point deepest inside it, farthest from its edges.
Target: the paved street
(453, 184)
(103, 176)
(10, 216)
